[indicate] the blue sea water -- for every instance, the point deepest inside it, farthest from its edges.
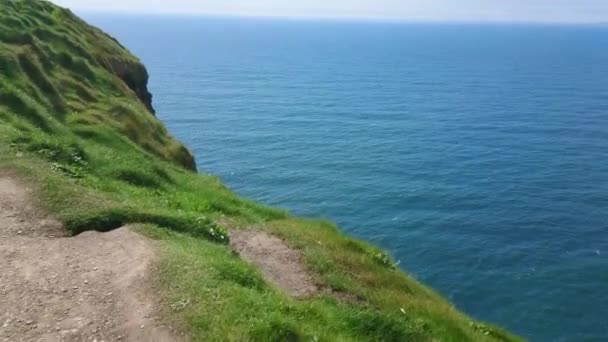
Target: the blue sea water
(476, 154)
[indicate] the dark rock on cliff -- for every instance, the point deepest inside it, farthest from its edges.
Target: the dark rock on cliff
(134, 75)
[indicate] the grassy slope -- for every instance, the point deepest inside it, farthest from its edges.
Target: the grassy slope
(74, 120)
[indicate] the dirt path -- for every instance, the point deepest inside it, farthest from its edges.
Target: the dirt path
(279, 263)
(86, 288)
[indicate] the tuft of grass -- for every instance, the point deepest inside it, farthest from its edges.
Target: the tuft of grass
(76, 121)
(32, 69)
(138, 178)
(17, 102)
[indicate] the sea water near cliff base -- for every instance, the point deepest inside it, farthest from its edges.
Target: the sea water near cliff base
(476, 154)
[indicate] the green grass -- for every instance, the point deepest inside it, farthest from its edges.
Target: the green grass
(75, 121)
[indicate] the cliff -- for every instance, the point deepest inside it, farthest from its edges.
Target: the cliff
(76, 120)
(67, 74)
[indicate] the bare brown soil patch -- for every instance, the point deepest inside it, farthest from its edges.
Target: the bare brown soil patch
(280, 264)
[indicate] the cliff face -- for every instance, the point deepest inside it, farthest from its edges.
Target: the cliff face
(135, 77)
(60, 73)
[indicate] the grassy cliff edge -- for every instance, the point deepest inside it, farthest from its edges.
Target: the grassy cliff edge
(76, 120)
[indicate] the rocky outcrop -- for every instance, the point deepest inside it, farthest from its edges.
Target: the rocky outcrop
(134, 75)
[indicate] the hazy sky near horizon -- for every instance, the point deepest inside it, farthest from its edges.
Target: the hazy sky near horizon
(566, 11)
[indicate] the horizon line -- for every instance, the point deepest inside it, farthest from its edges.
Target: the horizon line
(345, 18)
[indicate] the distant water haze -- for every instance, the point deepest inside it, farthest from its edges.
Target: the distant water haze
(560, 11)
(476, 154)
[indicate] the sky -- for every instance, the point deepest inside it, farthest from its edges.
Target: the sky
(558, 11)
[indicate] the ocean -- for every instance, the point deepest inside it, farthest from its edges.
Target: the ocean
(477, 154)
